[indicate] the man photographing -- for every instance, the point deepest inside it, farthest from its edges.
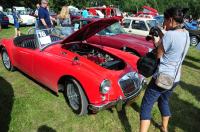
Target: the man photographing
(44, 17)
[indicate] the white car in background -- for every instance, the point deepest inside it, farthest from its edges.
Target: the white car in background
(138, 25)
(1, 8)
(26, 18)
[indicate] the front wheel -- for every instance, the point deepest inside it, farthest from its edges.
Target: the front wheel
(193, 40)
(75, 97)
(6, 60)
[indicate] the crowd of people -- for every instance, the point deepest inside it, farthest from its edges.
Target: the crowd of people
(44, 19)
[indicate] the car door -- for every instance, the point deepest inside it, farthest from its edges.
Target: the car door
(24, 57)
(139, 27)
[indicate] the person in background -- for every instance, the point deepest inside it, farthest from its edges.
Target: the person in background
(36, 14)
(64, 20)
(108, 12)
(36, 11)
(92, 12)
(171, 50)
(44, 17)
(0, 24)
(17, 20)
(85, 13)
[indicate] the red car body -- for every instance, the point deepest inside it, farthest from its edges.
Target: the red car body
(83, 62)
(135, 44)
(147, 11)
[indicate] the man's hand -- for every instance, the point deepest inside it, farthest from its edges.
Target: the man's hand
(44, 23)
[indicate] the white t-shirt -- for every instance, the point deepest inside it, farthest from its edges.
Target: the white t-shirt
(174, 42)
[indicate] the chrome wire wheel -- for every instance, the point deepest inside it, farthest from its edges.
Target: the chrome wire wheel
(193, 40)
(73, 96)
(6, 60)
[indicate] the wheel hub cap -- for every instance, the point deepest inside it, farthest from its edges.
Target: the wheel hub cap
(6, 60)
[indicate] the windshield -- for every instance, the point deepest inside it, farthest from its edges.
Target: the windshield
(126, 23)
(47, 37)
(151, 23)
(22, 12)
(160, 20)
(114, 29)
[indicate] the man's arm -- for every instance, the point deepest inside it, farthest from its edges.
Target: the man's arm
(43, 22)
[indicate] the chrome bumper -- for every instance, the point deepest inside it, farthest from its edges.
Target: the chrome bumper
(118, 103)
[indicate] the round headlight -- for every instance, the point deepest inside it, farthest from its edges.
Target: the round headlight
(105, 86)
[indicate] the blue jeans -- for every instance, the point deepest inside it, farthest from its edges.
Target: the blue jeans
(154, 94)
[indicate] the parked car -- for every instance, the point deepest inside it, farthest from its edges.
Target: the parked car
(138, 25)
(147, 11)
(194, 37)
(160, 20)
(1, 8)
(194, 33)
(26, 18)
(109, 11)
(3, 20)
(192, 25)
(114, 36)
(91, 77)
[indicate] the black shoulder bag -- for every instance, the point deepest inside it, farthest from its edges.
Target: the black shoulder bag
(147, 64)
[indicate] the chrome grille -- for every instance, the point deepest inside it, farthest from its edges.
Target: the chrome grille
(129, 83)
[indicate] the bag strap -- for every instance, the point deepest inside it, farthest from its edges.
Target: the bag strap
(182, 56)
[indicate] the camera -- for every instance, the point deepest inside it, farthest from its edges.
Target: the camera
(154, 32)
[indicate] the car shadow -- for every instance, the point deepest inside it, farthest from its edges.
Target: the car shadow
(135, 107)
(185, 115)
(189, 64)
(124, 120)
(6, 104)
(192, 58)
(194, 90)
(38, 83)
(3, 27)
(45, 128)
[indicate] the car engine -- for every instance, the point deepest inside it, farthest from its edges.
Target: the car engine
(98, 56)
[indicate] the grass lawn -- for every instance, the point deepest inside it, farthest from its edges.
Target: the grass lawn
(25, 106)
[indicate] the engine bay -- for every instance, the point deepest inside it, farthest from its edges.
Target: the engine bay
(97, 55)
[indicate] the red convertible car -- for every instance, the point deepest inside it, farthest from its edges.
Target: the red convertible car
(115, 36)
(91, 77)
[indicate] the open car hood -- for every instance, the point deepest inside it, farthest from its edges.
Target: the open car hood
(89, 30)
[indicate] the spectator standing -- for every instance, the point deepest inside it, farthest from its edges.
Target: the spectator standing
(85, 13)
(36, 14)
(64, 20)
(171, 51)
(36, 11)
(108, 11)
(44, 17)
(17, 20)
(0, 23)
(92, 12)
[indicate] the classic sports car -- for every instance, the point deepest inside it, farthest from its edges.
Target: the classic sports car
(3, 20)
(114, 36)
(91, 77)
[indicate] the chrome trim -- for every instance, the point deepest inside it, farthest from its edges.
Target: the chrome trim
(119, 102)
(134, 73)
